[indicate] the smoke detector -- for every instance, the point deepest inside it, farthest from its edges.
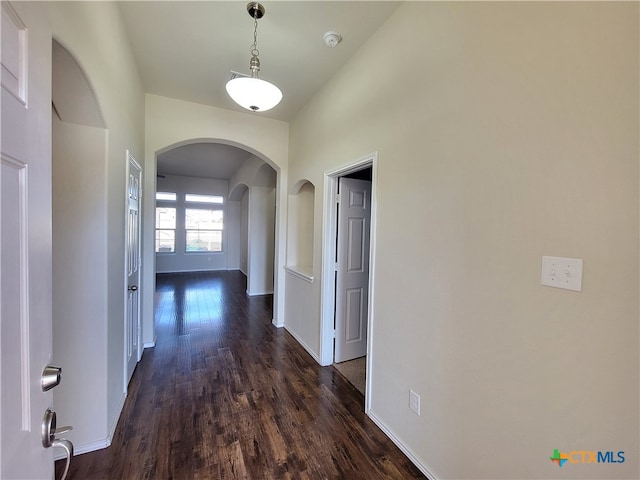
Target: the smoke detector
(332, 39)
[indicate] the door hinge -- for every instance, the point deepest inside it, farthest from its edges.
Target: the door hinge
(334, 333)
(337, 198)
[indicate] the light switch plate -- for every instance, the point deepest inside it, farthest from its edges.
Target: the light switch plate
(414, 402)
(560, 272)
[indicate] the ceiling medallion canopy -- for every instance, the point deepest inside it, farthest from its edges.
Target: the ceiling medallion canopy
(251, 92)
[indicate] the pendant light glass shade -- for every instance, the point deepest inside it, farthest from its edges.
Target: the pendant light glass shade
(253, 93)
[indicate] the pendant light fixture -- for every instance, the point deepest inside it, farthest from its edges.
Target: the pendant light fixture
(251, 92)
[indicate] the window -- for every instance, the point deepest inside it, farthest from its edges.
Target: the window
(189, 223)
(165, 229)
(204, 229)
(166, 196)
(192, 197)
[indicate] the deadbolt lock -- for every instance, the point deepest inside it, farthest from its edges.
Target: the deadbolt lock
(51, 376)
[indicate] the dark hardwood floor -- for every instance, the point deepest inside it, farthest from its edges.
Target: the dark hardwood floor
(225, 395)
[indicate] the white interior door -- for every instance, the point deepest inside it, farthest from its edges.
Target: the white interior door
(25, 225)
(352, 271)
(133, 350)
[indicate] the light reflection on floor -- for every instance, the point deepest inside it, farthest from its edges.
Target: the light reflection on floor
(193, 303)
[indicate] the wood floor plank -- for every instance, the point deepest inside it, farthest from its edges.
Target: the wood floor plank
(224, 395)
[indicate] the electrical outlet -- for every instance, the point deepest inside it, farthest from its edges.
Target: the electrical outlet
(414, 402)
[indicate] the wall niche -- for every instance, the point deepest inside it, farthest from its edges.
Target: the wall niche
(300, 230)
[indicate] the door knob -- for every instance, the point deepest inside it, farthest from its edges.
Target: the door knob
(49, 439)
(50, 377)
(133, 288)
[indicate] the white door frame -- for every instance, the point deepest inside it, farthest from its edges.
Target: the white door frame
(328, 294)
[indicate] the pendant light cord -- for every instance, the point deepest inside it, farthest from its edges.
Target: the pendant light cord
(254, 47)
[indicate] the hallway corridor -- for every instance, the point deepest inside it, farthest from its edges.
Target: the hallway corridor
(226, 395)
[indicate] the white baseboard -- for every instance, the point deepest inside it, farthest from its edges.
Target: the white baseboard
(116, 417)
(406, 450)
(304, 345)
(255, 294)
(59, 454)
(275, 323)
(198, 270)
(149, 344)
(193, 270)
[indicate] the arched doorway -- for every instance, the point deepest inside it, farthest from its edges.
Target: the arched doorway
(246, 185)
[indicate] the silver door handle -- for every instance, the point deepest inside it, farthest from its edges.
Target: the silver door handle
(133, 288)
(49, 430)
(68, 446)
(66, 429)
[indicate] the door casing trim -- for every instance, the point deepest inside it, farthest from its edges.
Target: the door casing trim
(327, 287)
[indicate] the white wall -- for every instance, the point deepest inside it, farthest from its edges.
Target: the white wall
(180, 261)
(93, 34)
(261, 233)
(244, 233)
(169, 123)
(234, 241)
(245, 175)
(80, 278)
(504, 132)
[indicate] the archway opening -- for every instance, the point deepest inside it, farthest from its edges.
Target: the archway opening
(245, 183)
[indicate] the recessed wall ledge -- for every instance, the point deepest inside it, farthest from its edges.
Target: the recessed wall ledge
(301, 271)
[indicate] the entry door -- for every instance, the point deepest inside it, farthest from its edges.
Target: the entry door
(25, 236)
(352, 275)
(133, 350)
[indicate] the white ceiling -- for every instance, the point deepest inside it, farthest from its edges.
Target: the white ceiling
(209, 160)
(187, 49)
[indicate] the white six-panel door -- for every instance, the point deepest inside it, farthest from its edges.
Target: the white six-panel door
(133, 335)
(25, 224)
(352, 271)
